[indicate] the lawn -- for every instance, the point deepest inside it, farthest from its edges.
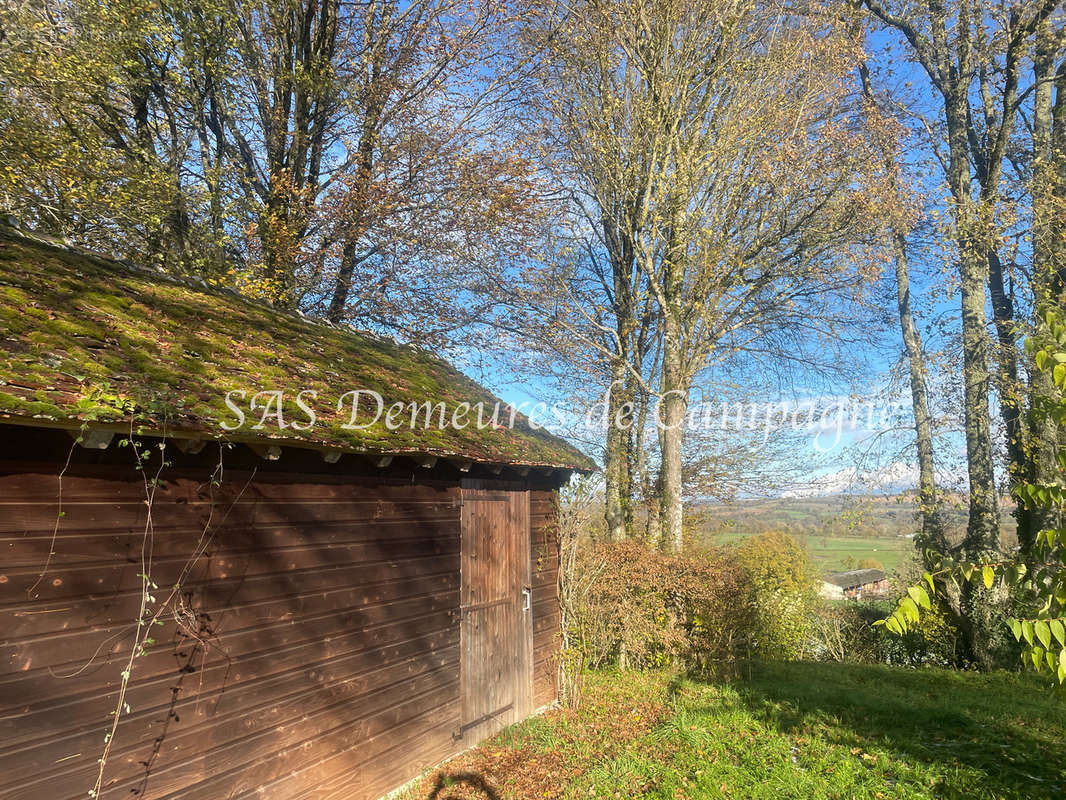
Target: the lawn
(836, 553)
(808, 731)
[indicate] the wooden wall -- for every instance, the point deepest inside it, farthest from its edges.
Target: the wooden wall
(544, 543)
(318, 655)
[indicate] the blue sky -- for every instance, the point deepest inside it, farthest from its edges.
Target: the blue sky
(935, 305)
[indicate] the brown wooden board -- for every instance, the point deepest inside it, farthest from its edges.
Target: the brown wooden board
(544, 558)
(337, 664)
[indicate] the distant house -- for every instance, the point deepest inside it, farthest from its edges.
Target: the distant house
(854, 584)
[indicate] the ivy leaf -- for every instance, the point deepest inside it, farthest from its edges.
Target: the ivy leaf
(989, 575)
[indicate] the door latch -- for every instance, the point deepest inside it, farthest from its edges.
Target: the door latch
(527, 598)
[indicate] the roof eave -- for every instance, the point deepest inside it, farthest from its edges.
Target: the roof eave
(178, 433)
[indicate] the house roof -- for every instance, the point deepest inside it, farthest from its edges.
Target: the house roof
(84, 338)
(855, 577)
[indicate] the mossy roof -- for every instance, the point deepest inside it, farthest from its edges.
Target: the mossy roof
(87, 339)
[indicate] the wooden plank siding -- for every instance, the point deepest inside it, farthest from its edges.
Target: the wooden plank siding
(544, 562)
(318, 658)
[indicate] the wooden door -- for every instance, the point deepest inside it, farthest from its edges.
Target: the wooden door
(496, 631)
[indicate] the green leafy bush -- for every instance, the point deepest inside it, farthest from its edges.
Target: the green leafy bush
(639, 608)
(783, 596)
(847, 631)
(705, 610)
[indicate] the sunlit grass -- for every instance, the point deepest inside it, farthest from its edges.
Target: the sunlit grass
(811, 731)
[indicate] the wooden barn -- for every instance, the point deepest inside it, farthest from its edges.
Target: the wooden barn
(855, 584)
(274, 607)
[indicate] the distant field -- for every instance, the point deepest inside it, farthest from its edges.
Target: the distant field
(838, 532)
(837, 553)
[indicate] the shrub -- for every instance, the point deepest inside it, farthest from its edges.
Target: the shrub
(846, 631)
(633, 607)
(840, 633)
(783, 596)
(639, 608)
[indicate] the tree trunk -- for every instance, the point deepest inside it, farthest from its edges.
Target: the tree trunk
(1049, 260)
(628, 421)
(616, 458)
(929, 503)
(1008, 384)
(649, 481)
(933, 536)
(653, 524)
(618, 506)
(671, 417)
(364, 174)
(971, 234)
(982, 530)
(977, 626)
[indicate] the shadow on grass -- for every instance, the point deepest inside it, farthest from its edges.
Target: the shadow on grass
(1010, 728)
(464, 782)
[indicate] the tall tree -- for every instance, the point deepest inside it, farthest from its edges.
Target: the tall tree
(1047, 180)
(961, 46)
(278, 117)
(745, 189)
(889, 138)
(344, 158)
(586, 316)
(433, 193)
(591, 281)
(92, 126)
(972, 53)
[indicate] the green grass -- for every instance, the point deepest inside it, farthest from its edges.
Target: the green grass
(810, 731)
(830, 731)
(836, 553)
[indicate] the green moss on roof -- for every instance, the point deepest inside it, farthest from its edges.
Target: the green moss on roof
(84, 338)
